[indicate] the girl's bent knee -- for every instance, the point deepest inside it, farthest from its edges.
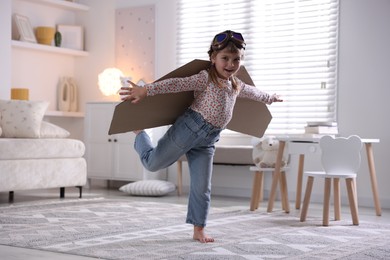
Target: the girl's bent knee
(153, 167)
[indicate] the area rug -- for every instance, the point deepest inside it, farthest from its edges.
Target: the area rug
(126, 229)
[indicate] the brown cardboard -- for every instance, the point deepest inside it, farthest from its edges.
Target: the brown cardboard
(249, 117)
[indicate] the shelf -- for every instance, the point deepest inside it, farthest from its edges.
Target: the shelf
(47, 48)
(64, 114)
(61, 4)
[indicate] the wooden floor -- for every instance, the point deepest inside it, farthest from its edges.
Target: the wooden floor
(14, 253)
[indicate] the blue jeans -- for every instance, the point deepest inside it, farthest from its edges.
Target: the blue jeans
(193, 136)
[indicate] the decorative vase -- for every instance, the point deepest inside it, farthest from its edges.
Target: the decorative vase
(45, 34)
(57, 39)
(20, 93)
(73, 95)
(63, 95)
(67, 95)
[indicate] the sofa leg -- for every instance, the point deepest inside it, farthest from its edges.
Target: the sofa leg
(11, 196)
(80, 190)
(62, 192)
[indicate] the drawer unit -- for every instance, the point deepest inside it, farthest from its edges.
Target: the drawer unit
(299, 147)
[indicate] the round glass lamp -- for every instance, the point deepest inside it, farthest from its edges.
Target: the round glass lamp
(109, 81)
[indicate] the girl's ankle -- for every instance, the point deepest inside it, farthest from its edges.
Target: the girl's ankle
(136, 132)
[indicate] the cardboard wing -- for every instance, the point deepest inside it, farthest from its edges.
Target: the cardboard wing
(249, 117)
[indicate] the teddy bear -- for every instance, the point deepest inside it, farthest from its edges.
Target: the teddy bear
(265, 152)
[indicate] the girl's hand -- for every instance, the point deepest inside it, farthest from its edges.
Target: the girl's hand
(134, 93)
(274, 98)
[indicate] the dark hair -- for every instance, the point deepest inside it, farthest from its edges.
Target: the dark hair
(213, 75)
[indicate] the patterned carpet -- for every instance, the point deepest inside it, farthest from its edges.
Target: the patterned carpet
(124, 229)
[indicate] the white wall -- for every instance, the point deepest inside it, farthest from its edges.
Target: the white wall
(5, 49)
(100, 41)
(364, 84)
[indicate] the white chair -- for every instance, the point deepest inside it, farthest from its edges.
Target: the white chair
(340, 159)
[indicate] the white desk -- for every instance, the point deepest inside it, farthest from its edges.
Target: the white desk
(304, 145)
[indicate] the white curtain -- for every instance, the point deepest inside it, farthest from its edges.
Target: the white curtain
(291, 50)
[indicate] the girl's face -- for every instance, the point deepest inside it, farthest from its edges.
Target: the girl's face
(226, 62)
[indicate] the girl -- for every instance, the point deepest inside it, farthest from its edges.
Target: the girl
(197, 130)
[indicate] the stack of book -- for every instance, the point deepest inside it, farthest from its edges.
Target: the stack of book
(321, 128)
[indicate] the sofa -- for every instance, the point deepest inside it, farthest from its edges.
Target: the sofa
(35, 154)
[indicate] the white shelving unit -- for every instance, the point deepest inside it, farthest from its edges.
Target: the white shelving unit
(57, 6)
(47, 48)
(62, 4)
(64, 114)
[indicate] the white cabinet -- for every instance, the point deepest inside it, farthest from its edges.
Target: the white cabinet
(109, 157)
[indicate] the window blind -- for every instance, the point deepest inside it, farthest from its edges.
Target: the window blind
(291, 50)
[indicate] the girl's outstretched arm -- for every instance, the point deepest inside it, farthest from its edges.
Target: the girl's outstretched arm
(251, 92)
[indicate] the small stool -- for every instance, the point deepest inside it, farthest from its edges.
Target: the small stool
(257, 189)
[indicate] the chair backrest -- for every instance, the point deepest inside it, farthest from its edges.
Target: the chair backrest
(341, 155)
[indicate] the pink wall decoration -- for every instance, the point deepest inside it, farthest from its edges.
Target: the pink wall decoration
(135, 42)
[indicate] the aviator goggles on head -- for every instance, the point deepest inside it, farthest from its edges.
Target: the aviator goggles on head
(221, 40)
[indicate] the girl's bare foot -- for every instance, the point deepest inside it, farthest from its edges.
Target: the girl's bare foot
(201, 236)
(137, 131)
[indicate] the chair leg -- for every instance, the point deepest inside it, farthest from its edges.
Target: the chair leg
(306, 200)
(276, 176)
(352, 201)
(261, 189)
(354, 186)
(325, 212)
(299, 181)
(281, 191)
(374, 185)
(284, 192)
(179, 177)
(256, 190)
(337, 199)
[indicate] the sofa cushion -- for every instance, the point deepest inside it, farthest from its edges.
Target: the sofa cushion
(49, 130)
(42, 174)
(22, 118)
(26, 148)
